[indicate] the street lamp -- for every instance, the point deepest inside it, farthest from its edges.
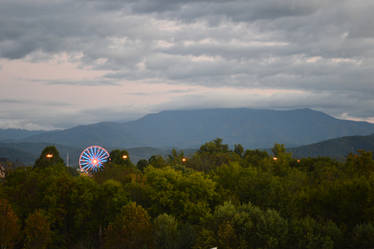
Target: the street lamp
(49, 155)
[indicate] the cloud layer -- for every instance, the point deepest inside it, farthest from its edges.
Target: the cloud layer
(257, 53)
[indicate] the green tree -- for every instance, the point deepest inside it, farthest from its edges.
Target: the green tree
(165, 232)
(363, 236)
(109, 201)
(9, 227)
(279, 151)
(212, 155)
(227, 177)
(131, 229)
(205, 239)
(361, 164)
(187, 236)
(307, 233)
(186, 196)
(247, 226)
(214, 146)
(120, 157)
(37, 231)
(227, 238)
(122, 173)
(157, 161)
(238, 149)
(255, 157)
(142, 164)
(175, 159)
(261, 229)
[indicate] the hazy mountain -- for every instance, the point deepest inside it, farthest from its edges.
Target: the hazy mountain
(337, 148)
(12, 134)
(16, 155)
(107, 134)
(191, 128)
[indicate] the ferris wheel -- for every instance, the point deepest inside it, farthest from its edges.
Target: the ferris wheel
(92, 159)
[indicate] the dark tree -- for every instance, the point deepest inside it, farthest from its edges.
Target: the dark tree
(49, 157)
(120, 157)
(238, 149)
(157, 161)
(142, 164)
(9, 227)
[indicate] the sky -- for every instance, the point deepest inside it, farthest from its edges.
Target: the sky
(71, 62)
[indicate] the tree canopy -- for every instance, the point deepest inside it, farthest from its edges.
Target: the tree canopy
(215, 197)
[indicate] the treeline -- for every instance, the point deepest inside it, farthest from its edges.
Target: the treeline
(215, 198)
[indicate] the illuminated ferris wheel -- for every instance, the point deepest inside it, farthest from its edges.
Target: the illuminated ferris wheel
(92, 159)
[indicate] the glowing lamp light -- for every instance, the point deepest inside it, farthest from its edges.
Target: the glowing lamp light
(275, 158)
(184, 159)
(124, 157)
(49, 155)
(298, 161)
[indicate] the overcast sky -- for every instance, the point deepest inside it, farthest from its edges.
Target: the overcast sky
(70, 62)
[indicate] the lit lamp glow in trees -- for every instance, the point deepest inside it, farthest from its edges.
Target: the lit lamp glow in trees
(92, 159)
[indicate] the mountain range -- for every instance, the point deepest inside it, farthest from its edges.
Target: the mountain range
(183, 129)
(191, 128)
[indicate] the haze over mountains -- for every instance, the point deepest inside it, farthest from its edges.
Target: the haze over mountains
(191, 128)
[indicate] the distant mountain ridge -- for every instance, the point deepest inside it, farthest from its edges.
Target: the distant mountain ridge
(337, 148)
(158, 133)
(11, 134)
(252, 128)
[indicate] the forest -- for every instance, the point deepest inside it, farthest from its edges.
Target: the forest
(216, 197)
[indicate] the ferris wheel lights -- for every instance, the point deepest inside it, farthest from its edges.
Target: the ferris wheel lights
(93, 159)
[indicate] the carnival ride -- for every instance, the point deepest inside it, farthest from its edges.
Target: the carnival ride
(92, 159)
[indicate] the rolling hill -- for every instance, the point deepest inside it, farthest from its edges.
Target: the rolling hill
(337, 148)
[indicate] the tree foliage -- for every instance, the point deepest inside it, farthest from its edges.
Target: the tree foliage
(37, 231)
(131, 229)
(9, 226)
(216, 197)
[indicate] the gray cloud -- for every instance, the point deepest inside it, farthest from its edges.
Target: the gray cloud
(12, 101)
(78, 82)
(60, 117)
(323, 48)
(33, 102)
